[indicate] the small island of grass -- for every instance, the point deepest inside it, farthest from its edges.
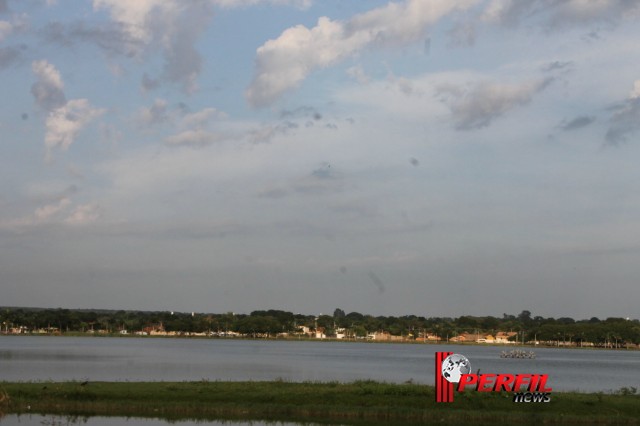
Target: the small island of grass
(361, 402)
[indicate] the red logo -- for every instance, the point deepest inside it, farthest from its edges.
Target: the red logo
(444, 388)
(453, 371)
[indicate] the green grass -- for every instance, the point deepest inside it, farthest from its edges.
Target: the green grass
(363, 402)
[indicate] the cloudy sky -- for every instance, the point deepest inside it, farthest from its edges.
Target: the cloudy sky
(428, 157)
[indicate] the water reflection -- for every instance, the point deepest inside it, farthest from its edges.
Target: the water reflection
(139, 359)
(49, 420)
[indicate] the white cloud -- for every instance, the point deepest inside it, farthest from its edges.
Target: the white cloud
(46, 212)
(133, 14)
(155, 114)
(635, 93)
(194, 129)
(84, 214)
(193, 138)
(301, 4)
(5, 30)
(65, 118)
(19, 23)
(282, 64)
(202, 118)
(56, 213)
(357, 73)
(48, 89)
(64, 123)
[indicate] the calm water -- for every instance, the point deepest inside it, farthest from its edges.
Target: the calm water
(138, 359)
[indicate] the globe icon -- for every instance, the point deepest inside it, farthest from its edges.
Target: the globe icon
(454, 366)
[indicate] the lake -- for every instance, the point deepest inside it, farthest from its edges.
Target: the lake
(43, 358)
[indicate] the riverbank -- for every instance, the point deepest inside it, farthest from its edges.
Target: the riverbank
(326, 340)
(362, 402)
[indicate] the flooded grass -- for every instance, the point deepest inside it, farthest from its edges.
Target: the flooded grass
(360, 402)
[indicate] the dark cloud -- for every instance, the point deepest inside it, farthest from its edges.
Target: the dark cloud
(162, 29)
(266, 133)
(322, 172)
(308, 114)
(9, 56)
(478, 107)
(624, 122)
(184, 108)
(593, 35)
(183, 63)
(4, 8)
(556, 14)
(111, 38)
(148, 84)
(557, 66)
(274, 193)
(56, 33)
(578, 123)
(462, 34)
(69, 191)
(301, 112)
(377, 282)
(322, 180)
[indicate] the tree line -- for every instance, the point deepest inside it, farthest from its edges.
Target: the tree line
(600, 332)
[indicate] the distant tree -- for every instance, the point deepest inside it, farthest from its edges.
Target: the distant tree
(525, 317)
(355, 316)
(325, 321)
(359, 331)
(467, 322)
(489, 323)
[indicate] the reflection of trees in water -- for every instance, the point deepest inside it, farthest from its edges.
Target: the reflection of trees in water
(4, 402)
(52, 421)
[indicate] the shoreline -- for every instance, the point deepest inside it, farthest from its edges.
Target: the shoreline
(360, 402)
(295, 339)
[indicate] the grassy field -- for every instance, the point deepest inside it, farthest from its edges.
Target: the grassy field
(363, 402)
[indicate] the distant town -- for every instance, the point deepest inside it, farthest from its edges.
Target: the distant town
(523, 329)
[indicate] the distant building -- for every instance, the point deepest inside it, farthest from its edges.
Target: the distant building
(503, 336)
(155, 330)
(384, 336)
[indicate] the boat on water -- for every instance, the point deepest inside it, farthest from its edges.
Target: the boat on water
(518, 353)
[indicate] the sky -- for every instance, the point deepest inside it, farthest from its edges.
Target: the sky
(425, 157)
